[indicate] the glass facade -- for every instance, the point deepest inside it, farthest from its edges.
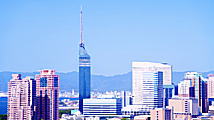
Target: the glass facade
(55, 81)
(168, 93)
(102, 106)
(147, 86)
(204, 98)
(84, 76)
(43, 82)
(160, 90)
(47, 95)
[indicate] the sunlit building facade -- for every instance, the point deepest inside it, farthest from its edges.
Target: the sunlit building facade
(147, 85)
(21, 98)
(161, 114)
(47, 92)
(210, 86)
(184, 88)
(198, 89)
(184, 106)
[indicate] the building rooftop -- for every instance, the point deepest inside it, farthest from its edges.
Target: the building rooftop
(47, 72)
(150, 64)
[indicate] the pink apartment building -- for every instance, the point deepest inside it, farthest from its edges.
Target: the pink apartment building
(47, 92)
(21, 98)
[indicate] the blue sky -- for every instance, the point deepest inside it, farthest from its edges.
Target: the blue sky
(45, 34)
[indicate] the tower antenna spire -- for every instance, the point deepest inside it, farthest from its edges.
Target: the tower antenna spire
(81, 28)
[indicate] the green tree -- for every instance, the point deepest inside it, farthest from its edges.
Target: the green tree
(64, 112)
(3, 117)
(124, 119)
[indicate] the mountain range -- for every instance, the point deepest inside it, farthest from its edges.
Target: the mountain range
(69, 80)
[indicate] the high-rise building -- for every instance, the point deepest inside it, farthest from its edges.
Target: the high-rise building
(161, 114)
(198, 89)
(195, 79)
(47, 92)
(147, 85)
(210, 86)
(84, 70)
(162, 67)
(21, 98)
(204, 99)
(184, 88)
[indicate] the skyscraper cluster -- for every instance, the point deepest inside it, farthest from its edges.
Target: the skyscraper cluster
(194, 86)
(153, 93)
(152, 90)
(33, 99)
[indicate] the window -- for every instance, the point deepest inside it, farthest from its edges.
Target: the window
(43, 82)
(55, 81)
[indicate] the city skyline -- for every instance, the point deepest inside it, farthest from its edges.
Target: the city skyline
(183, 35)
(148, 41)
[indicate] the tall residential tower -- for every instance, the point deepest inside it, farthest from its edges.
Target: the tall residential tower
(84, 69)
(21, 98)
(47, 92)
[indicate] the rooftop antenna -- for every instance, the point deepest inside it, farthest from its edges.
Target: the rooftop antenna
(81, 28)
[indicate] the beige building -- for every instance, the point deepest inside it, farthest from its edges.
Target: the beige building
(161, 114)
(184, 106)
(182, 117)
(21, 96)
(210, 86)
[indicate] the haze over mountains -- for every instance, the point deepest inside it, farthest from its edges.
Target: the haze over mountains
(69, 81)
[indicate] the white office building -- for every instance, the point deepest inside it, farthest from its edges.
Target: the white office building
(147, 84)
(162, 67)
(184, 88)
(195, 79)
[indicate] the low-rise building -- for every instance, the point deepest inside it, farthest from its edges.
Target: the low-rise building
(142, 117)
(182, 117)
(184, 108)
(135, 110)
(95, 106)
(211, 105)
(161, 114)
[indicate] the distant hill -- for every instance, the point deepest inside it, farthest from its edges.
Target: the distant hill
(69, 81)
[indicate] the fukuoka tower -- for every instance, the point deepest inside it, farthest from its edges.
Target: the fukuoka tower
(84, 69)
